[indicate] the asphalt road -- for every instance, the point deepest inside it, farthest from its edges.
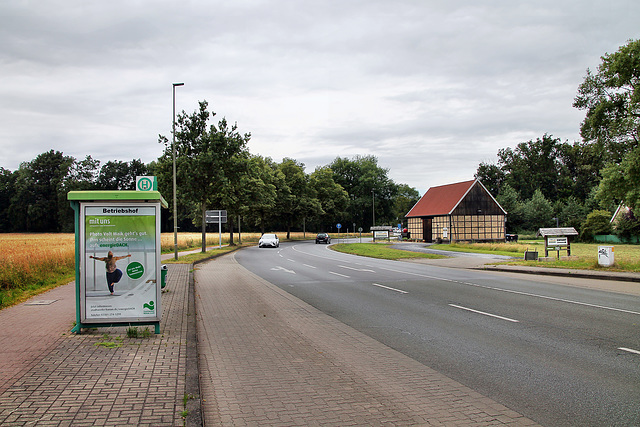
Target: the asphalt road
(561, 355)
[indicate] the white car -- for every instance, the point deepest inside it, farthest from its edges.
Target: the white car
(269, 241)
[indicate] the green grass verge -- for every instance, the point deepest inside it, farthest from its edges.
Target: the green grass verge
(380, 250)
(584, 255)
(200, 256)
(483, 248)
(22, 293)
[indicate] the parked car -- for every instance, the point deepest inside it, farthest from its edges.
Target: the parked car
(323, 238)
(269, 241)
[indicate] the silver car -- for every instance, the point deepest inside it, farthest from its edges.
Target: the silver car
(269, 241)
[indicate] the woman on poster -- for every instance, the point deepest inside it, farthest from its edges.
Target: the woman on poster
(114, 274)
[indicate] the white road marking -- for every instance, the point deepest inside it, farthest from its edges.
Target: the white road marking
(484, 313)
(341, 275)
(603, 307)
(357, 269)
(630, 350)
(283, 269)
(310, 266)
(391, 289)
(493, 288)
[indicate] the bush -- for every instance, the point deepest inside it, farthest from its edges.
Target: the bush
(597, 222)
(628, 225)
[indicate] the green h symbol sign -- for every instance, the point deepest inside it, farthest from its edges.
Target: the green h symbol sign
(146, 183)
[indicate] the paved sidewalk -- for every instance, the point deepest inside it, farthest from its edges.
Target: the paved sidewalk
(52, 377)
(267, 358)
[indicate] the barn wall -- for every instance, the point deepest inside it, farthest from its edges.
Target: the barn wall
(414, 226)
(477, 201)
(477, 227)
(476, 218)
(461, 227)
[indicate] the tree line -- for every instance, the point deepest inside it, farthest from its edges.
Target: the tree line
(215, 170)
(540, 183)
(547, 182)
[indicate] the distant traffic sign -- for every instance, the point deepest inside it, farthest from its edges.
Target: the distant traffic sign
(339, 226)
(216, 217)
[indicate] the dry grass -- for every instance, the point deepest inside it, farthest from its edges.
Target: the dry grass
(32, 263)
(31, 257)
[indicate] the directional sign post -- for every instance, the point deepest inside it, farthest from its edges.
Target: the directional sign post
(217, 217)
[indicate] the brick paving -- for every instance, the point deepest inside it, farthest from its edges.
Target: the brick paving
(50, 376)
(267, 358)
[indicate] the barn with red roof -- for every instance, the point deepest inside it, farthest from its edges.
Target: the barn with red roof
(464, 211)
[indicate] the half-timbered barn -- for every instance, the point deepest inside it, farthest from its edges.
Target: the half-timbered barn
(464, 211)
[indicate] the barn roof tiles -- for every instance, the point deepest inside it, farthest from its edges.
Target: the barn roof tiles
(441, 200)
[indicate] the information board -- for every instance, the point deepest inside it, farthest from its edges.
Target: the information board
(120, 263)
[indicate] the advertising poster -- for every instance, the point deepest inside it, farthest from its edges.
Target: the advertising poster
(121, 277)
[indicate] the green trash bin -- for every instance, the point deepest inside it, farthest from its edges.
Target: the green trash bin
(163, 275)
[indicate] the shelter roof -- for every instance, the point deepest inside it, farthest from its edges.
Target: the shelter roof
(120, 196)
(567, 231)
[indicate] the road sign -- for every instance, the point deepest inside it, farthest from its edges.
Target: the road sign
(146, 183)
(216, 217)
(339, 226)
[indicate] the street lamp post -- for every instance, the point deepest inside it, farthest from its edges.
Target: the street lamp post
(175, 199)
(373, 208)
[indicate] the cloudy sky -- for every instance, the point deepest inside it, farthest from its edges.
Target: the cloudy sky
(431, 88)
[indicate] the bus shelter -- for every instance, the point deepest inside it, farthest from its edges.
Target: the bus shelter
(117, 257)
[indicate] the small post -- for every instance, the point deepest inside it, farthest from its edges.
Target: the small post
(220, 229)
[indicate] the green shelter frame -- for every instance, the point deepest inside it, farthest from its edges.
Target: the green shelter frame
(77, 199)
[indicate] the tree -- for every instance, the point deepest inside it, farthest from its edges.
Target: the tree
(260, 186)
(204, 155)
(234, 194)
(559, 169)
(492, 177)
(580, 169)
(297, 198)
(163, 170)
(611, 98)
(333, 199)
(531, 166)
(627, 225)
(118, 175)
(406, 198)
(538, 211)
(7, 190)
(621, 182)
(597, 222)
(510, 201)
(37, 200)
(369, 188)
(81, 176)
(571, 213)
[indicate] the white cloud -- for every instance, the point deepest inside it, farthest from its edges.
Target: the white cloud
(430, 88)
